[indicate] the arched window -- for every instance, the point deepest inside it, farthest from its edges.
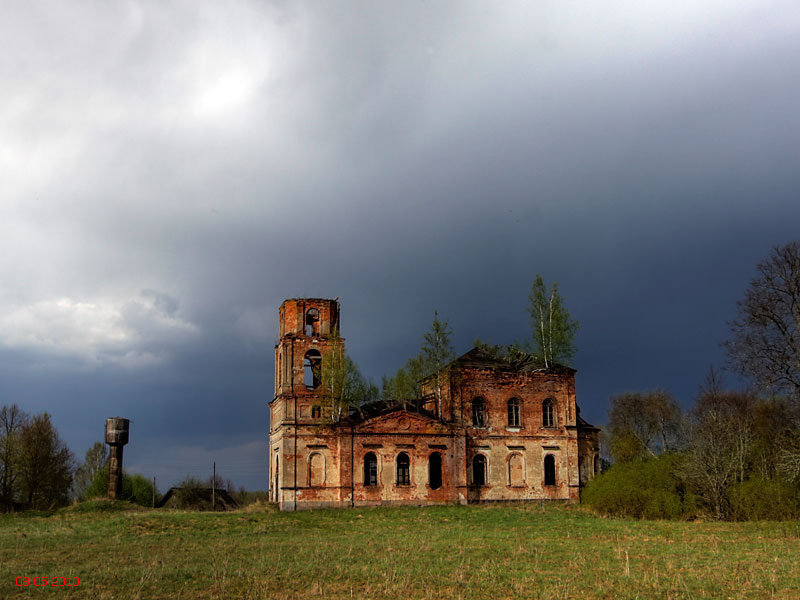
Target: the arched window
(435, 471)
(516, 470)
(312, 322)
(597, 464)
(479, 412)
(548, 413)
(370, 469)
(549, 470)
(312, 373)
(316, 469)
(403, 471)
(514, 413)
(479, 470)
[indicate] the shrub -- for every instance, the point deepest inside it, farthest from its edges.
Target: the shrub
(139, 489)
(189, 495)
(649, 489)
(764, 499)
(135, 488)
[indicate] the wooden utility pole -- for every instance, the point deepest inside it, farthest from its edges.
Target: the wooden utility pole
(213, 488)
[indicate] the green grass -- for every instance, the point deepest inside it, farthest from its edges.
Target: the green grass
(438, 552)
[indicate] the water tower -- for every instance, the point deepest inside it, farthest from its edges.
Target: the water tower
(116, 437)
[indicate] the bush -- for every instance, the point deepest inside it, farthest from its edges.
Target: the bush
(649, 489)
(138, 489)
(764, 500)
(189, 495)
(135, 488)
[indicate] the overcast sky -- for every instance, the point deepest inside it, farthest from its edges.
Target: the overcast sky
(172, 171)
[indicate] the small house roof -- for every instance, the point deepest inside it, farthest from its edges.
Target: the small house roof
(204, 495)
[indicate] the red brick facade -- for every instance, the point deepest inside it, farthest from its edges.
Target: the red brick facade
(502, 433)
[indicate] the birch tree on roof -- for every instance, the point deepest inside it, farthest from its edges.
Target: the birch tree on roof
(437, 351)
(552, 327)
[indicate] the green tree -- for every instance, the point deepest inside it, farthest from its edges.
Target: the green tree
(136, 488)
(342, 384)
(140, 490)
(436, 353)
(552, 328)
(404, 386)
(45, 465)
(95, 459)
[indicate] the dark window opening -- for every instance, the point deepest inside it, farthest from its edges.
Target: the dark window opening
(514, 413)
(549, 470)
(548, 414)
(435, 471)
(479, 412)
(596, 464)
(312, 372)
(274, 490)
(312, 322)
(316, 412)
(479, 470)
(403, 471)
(370, 469)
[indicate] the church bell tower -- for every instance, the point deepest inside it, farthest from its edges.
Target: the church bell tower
(308, 329)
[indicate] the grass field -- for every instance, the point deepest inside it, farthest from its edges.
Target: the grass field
(441, 552)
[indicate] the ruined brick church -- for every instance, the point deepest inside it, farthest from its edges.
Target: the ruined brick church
(498, 431)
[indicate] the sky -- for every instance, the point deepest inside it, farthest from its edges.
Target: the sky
(172, 171)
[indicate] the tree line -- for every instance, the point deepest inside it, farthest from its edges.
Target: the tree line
(39, 472)
(735, 454)
(35, 465)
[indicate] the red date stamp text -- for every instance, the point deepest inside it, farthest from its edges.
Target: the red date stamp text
(48, 581)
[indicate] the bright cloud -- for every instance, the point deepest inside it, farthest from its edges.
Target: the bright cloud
(125, 333)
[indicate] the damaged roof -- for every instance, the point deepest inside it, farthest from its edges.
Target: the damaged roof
(507, 358)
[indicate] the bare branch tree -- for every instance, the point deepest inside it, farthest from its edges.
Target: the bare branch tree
(95, 460)
(712, 462)
(12, 421)
(723, 433)
(644, 424)
(789, 462)
(765, 344)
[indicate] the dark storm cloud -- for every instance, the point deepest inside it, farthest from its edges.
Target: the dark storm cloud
(175, 171)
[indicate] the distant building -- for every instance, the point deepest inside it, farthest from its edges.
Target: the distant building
(505, 430)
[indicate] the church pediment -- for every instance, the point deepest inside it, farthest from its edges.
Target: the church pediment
(402, 421)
